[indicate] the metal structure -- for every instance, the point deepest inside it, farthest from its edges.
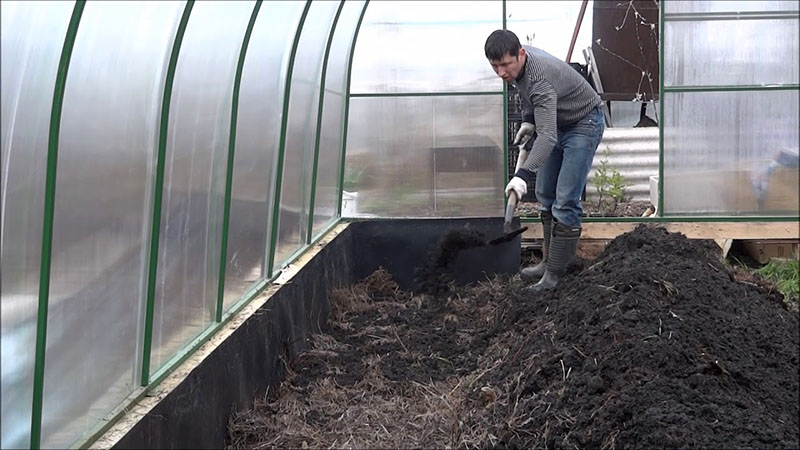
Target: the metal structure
(163, 162)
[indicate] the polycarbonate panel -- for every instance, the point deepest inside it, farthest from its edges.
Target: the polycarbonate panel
(102, 212)
(695, 6)
(718, 144)
(258, 127)
(425, 157)
(549, 26)
(194, 176)
(32, 37)
(301, 130)
(427, 46)
(332, 130)
(724, 52)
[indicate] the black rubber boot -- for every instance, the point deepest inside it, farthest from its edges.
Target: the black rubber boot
(563, 246)
(534, 272)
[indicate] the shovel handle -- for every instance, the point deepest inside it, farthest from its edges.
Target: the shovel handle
(510, 207)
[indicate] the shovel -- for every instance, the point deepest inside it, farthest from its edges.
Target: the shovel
(509, 233)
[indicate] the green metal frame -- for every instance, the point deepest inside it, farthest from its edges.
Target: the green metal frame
(158, 190)
(426, 94)
(47, 225)
(505, 120)
(222, 317)
(660, 206)
(731, 15)
(319, 124)
(325, 230)
(704, 17)
(743, 88)
(345, 123)
(350, 95)
(282, 147)
(208, 333)
(237, 82)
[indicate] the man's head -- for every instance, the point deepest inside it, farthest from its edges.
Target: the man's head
(505, 54)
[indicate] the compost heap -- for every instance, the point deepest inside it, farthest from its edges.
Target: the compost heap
(655, 344)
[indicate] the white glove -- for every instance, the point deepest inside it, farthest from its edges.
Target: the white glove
(525, 130)
(518, 185)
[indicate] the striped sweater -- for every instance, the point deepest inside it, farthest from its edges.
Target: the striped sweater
(553, 95)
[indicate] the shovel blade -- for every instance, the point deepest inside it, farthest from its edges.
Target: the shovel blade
(508, 236)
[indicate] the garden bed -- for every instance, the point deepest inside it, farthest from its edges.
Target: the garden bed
(654, 344)
(592, 208)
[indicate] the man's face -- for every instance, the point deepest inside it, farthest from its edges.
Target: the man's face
(509, 67)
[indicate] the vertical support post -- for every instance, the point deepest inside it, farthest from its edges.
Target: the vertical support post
(319, 125)
(505, 122)
(226, 212)
(276, 207)
(594, 72)
(158, 192)
(47, 225)
(347, 111)
(660, 206)
(577, 30)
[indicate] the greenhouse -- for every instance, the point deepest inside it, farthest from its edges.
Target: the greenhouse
(250, 224)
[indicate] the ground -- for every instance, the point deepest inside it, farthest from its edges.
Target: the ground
(655, 343)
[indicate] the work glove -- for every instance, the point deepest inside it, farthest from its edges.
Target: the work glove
(525, 132)
(518, 185)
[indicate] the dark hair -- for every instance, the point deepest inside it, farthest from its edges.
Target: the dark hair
(501, 42)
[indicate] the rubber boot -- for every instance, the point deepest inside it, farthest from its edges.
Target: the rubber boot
(534, 272)
(563, 246)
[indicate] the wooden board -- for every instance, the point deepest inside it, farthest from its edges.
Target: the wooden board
(693, 230)
(763, 251)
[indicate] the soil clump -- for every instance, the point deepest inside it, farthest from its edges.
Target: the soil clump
(433, 276)
(655, 344)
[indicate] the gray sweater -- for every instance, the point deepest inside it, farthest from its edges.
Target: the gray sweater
(553, 95)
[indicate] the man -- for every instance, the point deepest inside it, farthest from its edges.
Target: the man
(563, 119)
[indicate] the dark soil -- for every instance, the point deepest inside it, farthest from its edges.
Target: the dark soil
(655, 344)
(433, 275)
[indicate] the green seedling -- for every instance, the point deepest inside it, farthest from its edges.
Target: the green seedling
(610, 183)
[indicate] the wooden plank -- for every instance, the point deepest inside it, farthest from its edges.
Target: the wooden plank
(763, 251)
(693, 230)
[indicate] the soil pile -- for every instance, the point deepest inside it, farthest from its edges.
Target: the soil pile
(654, 344)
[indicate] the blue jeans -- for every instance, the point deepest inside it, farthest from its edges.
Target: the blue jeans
(562, 178)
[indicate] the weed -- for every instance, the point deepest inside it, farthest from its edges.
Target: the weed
(785, 274)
